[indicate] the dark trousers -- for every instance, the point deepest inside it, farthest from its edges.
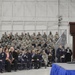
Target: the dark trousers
(68, 57)
(36, 64)
(7, 66)
(1, 66)
(63, 60)
(15, 64)
(29, 64)
(58, 59)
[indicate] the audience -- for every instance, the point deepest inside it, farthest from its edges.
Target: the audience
(27, 51)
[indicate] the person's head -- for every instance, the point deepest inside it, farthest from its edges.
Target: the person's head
(33, 47)
(0, 50)
(16, 51)
(7, 50)
(39, 33)
(44, 32)
(56, 33)
(34, 34)
(25, 51)
(12, 49)
(44, 52)
(38, 51)
(50, 33)
(33, 51)
(60, 46)
(63, 47)
(29, 51)
(67, 47)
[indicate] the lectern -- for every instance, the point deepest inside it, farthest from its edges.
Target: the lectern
(72, 32)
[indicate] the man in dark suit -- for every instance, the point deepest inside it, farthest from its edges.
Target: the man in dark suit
(15, 57)
(34, 58)
(39, 59)
(29, 55)
(59, 53)
(63, 53)
(68, 54)
(53, 54)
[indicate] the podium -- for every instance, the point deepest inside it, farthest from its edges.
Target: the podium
(72, 32)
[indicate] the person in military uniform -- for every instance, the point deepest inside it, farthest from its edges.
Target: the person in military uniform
(50, 36)
(2, 60)
(33, 42)
(56, 37)
(45, 58)
(44, 36)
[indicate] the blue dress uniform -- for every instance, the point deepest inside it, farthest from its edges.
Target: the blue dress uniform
(59, 54)
(2, 61)
(3, 58)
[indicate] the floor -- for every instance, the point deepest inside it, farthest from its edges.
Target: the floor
(41, 71)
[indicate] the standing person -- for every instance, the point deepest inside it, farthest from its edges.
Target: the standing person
(45, 58)
(15, 57)
(63, 54)
(8, 61)
(53, 54)
(68, 54)
(59, 53)
(1, 60)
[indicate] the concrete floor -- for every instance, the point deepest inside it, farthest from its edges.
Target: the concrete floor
(41, 71)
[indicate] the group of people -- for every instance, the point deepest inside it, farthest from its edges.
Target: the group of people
(27, 51)
(32, 50)
(24, 59)
(63, 55)
(27, 41)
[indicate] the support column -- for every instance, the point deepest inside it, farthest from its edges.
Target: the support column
(72, 32)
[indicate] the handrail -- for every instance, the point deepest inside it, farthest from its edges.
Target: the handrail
(59, 38)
